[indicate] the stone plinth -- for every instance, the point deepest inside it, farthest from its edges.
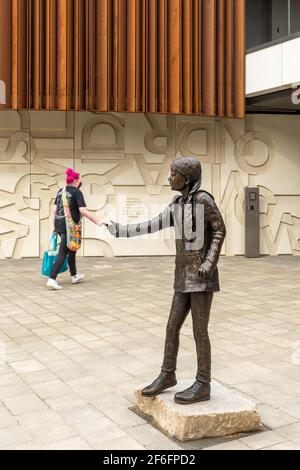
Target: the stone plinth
(225, 414)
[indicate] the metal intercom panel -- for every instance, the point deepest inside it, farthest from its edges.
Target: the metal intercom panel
(251, 222)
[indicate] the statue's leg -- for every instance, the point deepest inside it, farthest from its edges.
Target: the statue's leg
(200, 306)
(167, 378)
(200, 390)
(180, 308)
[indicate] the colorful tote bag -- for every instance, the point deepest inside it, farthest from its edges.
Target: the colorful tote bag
(50, 257)
(73, 230)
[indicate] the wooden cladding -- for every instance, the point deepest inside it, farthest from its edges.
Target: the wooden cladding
(166, 56)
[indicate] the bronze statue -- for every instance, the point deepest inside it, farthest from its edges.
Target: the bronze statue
(196, 273)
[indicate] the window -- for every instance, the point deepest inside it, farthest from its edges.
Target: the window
(295, 16)
(269, 20)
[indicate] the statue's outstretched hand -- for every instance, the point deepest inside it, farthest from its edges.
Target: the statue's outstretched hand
(206, 269)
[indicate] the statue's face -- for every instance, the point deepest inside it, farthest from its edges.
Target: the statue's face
(176, 179)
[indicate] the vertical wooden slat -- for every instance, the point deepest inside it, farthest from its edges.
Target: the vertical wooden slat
(131, 64)
(196, 58)
(92, 55)
(152, 53)
(76, 54)
(6, 58)
(161, 52)
(30, 55)
(88, 53)
(47, 55)
(61, 54)
(208, 57)
(239, 58)
(15, 54)
(115, 53)
(53, 55)
(22, 55)
(51, 62)
(36, 52)
(186, 53)
(173, 56)
(200, 55)
(102, 56)
(82, 55)
(181, 74)
(138, 56)
(42, 55)
(144, 56)
(79, 55)
(220, 56)
(70, 57)
(122, 54)
(110, 50)
(229, 59)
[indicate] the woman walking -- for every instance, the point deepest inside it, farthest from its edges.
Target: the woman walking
(72, 197)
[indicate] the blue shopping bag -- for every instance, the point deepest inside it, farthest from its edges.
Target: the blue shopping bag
(50, 257)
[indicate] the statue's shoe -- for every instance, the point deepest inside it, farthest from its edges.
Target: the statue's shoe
(162, 382)
(197, 392)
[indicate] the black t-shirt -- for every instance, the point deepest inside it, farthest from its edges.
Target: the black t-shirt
(76, 200)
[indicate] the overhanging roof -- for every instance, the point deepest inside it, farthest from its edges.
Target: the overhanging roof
(279, 102)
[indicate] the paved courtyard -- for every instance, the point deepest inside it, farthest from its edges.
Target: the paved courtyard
(71, 360)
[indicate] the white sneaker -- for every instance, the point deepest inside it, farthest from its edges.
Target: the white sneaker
(53, 284)
(77, 278)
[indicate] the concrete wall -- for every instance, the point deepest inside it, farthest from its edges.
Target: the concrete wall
(124, 160)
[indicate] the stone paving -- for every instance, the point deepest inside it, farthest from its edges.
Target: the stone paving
(71, 360)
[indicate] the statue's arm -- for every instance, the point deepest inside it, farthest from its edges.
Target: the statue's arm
(218, 232)
(160, 222)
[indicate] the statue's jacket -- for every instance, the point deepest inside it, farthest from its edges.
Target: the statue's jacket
(199, 233)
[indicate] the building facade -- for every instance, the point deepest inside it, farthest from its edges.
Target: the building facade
(117, 89)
